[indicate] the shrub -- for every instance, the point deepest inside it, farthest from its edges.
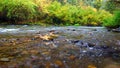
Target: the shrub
(51, 12)
(71, 15)
(42, 4)
(62, 14)
(18, 10)
(113, 21)
(117, 18)
(109, 22)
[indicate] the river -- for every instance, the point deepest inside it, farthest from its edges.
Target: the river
(25, 46)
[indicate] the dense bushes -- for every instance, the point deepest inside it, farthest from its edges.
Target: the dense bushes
(71, 15)
(113, 21)
(117, 18)
(17, 10)
(45, 11)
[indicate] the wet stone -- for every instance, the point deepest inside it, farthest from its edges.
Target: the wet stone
(116, 30)
(91, 44)
(4, 59)
(75, 41)
(4, 40)
(73, 30)
(52, 31)
(94, 29)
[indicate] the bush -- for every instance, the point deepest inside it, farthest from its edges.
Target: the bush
(51, 13)
(117, 18)
(62, 14)
(113, 21)
(18, 10)
(109, 22)
(71, 15)
(41, 10)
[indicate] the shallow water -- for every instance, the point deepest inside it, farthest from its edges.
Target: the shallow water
(74, 47)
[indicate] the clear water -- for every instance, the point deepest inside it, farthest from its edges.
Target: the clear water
(57, 53)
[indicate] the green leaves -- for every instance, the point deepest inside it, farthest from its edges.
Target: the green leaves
(113, 21)
(18, 10)
(69, 14)
(52, 12)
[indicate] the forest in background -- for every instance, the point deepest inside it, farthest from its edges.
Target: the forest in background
(61, 12)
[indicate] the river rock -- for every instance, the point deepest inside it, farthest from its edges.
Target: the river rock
(81, 43)
(116, 30)
(94, 29)
(4, 59)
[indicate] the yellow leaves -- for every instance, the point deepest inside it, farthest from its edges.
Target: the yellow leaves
(46, 37)
(42, 4)
(94, 23)
(49, 36)
(90, 16)
(94, 9)
(92, 66)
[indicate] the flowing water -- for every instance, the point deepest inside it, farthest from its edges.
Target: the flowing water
(23, 46)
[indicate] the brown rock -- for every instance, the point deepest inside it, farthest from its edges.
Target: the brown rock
(72, 57)
(34, 52)
(59, 63)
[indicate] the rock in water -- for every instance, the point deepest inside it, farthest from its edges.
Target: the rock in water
(116, 30)
(4, 59)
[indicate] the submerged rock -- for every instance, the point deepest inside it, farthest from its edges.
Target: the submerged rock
(4, 59)
(82, 43)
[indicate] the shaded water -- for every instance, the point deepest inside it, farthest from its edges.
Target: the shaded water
(74, 47)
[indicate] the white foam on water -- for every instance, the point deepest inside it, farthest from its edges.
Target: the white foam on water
(8, 30)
